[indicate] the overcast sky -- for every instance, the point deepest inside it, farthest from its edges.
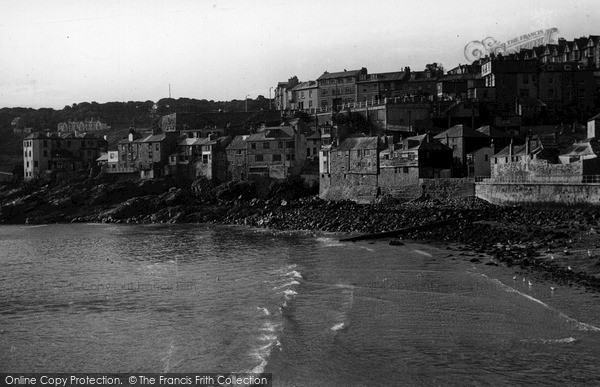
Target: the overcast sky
(55, 53)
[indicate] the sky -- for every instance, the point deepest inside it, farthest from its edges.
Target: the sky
(56, 53)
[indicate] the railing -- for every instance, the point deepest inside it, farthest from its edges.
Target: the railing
(548, 179)
(363, 104)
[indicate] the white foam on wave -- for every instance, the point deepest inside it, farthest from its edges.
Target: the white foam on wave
(338, 327)
(566, 340)
(264, 310)
(262, 352)
(422, 253)
(329, 242)
(578, 324)
(366, 248)
(269, 327)
(287, 284)
(294, 274)
(344, 286)
(290, 292)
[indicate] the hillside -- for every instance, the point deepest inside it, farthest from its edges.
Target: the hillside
(120, 116)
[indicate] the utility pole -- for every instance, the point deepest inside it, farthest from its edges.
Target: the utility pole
(270, 88)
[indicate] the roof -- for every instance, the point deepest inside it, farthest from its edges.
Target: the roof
(238, 142)
(282, 131)
(492, 132)
(305, 85)
(359, 143)
(103, 157)
(193, 141)
(584, 148)
(423, 141)
(596, 117)
(340, 74)
(518, 150)
(152, 138)
(314, 135)
(384, 77)
(460, 131)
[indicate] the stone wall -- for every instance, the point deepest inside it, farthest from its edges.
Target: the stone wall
(448, 188)
(361, 188)
(534, 168)
(538, 193)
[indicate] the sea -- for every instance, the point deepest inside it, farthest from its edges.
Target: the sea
(305, 307)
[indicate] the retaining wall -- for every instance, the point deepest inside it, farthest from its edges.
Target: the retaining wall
(538, 193)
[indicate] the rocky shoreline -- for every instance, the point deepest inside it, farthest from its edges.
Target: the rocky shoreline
(560, 242)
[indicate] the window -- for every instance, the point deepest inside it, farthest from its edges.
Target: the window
(302, 95)
(310, 94)
(258, 158)
(266, 145)
(310, 103)
(289, 144)
(551, 80)
(276, 157)
(252, 145)
(157, 147)
(35, 164)
(308, 151)
(204, 159)
(485, 157)
(405, 169)
(551, 93)
(45, 143)
(280, 144)
(367, 152)
(359, 153)
(347, 90)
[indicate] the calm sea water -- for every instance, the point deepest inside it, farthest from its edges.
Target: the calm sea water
(309, 309)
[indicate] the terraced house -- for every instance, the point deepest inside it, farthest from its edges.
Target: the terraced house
(61, 152)
(271, 153)
(338, 88)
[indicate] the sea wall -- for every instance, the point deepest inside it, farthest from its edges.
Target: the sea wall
(537, 193)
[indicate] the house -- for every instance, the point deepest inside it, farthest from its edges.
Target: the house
(479, 162)
(85, 126)
(275, 153)
(374, 87)
(52, 151)
(284, 95)
(403, 164)
(353, 170)
(462, 140)
(537, 158)
(211, 162)
(585, 153)
(305, 96)
(237, 158)
(153, 150)
(336, 89)
(146, 153)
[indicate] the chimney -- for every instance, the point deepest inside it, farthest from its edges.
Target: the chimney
(527, 147)
(510, 149)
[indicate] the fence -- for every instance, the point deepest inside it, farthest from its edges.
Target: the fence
(543, 179)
